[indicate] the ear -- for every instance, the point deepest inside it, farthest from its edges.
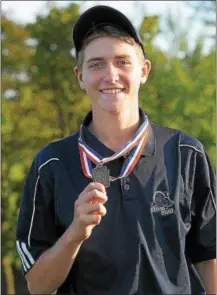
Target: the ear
(78, 74)
(145, 71)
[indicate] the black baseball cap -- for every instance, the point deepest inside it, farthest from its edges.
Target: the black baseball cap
(102, 15)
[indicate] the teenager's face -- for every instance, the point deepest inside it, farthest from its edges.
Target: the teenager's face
(112, 73)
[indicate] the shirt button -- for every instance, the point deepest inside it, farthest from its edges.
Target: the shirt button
(126, 186)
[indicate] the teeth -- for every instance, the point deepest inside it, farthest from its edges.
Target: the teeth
(112, 91)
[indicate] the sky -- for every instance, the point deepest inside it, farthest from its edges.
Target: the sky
(26, 11)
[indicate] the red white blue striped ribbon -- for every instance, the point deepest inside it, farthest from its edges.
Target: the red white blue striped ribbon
(134, 147)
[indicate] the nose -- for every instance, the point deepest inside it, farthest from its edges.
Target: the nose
(111, 74)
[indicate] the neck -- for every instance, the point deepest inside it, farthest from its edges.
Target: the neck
(114, 130)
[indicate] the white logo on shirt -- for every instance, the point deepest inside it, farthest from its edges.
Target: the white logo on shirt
(162, 203)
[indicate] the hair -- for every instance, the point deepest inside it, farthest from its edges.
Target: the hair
(106, 30)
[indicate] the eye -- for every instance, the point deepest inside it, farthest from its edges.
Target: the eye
(124, 62)
(96, 65)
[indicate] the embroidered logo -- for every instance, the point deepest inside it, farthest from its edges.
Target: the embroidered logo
(162, 203)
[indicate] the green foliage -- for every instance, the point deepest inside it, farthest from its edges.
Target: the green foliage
(180, 92)
(149, 28)
(41, 100)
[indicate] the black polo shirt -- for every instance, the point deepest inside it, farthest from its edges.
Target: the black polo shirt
(160, 219)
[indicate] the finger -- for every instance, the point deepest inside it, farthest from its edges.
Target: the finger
(91, 219)
(93, 196)
(85, 209)
(95, 209)
(94, 185)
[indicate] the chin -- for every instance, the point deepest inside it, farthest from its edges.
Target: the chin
(113, 108)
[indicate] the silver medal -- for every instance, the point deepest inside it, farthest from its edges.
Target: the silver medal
(101, 174)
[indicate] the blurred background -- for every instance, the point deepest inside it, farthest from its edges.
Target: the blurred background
(42, 102)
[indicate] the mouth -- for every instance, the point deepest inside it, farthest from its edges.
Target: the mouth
(112, 90)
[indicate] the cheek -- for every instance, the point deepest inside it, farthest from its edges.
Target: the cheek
(91, 80)
(134, 79)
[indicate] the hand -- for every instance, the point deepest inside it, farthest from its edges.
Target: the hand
(88, 210)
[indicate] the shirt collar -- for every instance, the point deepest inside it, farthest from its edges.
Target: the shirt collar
(93, 141)
(149, 148)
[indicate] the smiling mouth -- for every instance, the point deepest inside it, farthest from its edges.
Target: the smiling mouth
(112, 91)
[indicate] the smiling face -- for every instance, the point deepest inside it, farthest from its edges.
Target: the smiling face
(111, 74)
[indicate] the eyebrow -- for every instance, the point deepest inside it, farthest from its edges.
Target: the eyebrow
(102, 58)
(95, 59)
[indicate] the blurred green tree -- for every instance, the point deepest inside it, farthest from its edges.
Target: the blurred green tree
(15, 61)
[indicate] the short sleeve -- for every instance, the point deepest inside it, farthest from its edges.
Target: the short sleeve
(35, 232)
(201, 239)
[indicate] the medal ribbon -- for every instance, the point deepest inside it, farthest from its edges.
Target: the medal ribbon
(134, 146)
